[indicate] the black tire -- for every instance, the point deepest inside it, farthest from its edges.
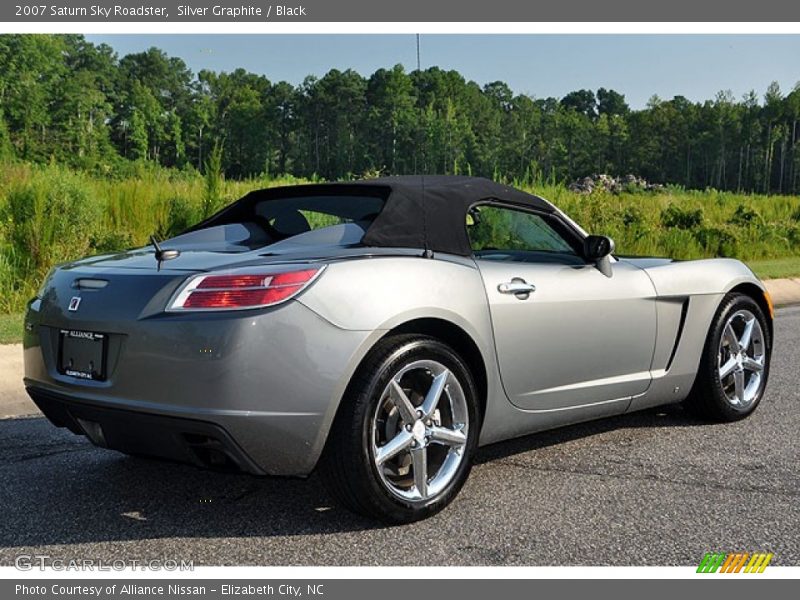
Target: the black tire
(708, 399)
(347, 466)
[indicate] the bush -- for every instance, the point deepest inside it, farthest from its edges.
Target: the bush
(182, 214)
(674, 216)
(678, 243)
(717, 241)
(113, 241)
(745, 216)
(633, 216)
(793, 237)
(17, 285)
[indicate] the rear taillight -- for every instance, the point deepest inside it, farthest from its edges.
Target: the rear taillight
(241, 290)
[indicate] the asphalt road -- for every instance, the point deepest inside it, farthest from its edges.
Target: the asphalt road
(653, 488)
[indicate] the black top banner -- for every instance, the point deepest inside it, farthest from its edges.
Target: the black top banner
(185, 11)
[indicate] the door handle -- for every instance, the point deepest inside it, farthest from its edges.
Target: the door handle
(516, 286)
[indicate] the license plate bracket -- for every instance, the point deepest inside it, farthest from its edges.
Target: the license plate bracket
(82, 354)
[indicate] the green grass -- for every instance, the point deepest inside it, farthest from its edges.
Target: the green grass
(10, 329)
(687, 224)
(776, 268)
(50, 213)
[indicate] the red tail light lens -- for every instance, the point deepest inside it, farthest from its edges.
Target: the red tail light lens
(231, 281)
(236, 291)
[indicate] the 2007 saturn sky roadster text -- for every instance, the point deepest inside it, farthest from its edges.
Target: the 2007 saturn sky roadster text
(379, 331)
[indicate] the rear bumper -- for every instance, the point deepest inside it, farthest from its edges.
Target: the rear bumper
(172, 438)
(264, 386)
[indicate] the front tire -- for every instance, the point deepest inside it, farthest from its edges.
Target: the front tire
(401, 446)
(735, 363)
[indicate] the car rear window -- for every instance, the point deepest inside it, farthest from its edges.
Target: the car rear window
(293, 216)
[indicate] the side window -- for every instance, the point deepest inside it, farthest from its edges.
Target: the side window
(501, 233)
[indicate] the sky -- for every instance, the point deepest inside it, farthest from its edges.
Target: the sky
(694, 66)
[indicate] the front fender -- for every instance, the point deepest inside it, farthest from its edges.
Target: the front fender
(701, 277)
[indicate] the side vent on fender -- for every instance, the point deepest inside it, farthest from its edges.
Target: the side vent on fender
(679, 333)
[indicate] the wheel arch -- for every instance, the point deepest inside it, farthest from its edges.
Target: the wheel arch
(447, 332)
(757, 294)
(460, 341)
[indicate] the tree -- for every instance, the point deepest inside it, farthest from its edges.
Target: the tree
(284, 118)
(63, 98)
(31, 67)
(137, 139)
(390, 118)
(177, 149)
(611, 103)
(6, 149)
(793, 113)
(333, 117)
(582, 101)
(772, 109)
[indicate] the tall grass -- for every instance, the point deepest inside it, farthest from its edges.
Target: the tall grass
(680, 223)
(687, 224)
(50, 214)
(214, 180)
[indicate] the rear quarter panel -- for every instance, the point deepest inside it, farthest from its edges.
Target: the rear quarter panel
(380, 293)
(383, 292)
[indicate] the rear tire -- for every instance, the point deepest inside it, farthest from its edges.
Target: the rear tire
(734, 367)
(402, 443)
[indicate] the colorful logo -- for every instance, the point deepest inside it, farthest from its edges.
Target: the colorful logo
(737, 562)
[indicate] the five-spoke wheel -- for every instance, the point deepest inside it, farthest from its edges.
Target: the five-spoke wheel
(735, 363)
(741, 358)
(419, 430)
(401, 446)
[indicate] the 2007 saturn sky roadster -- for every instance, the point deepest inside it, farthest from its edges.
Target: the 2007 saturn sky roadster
(380, 331)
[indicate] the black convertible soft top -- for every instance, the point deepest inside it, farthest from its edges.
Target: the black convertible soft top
(426, 212)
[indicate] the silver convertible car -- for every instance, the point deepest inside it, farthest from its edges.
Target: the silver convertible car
(379, 332)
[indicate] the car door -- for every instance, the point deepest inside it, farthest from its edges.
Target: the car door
(566, 335)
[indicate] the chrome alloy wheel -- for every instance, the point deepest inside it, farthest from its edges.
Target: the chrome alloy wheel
(741, 359)
(419, 431)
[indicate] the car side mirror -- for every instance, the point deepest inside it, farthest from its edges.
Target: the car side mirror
(598, 249)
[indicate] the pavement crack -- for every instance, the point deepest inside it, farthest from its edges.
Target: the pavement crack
(15, 460)
(243, 494)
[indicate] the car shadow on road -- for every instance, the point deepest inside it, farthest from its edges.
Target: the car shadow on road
(663, 416)
(61, 490)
